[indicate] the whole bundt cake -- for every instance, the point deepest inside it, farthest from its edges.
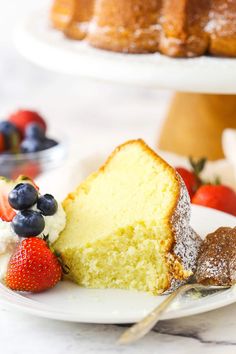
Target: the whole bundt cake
(128, 225)
(178, 28)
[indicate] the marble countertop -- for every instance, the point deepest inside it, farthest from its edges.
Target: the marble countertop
(92, 115)
(210, 333)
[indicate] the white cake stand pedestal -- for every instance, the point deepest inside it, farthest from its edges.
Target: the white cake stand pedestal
(203, 107)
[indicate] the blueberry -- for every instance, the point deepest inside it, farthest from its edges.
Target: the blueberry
(49, 143)
(23, 196)
(47, 204)
(11, 136)
(34, 131)
(31, 145)
(28, 223)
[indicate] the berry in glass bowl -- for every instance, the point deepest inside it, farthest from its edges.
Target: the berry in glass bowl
(25, 147)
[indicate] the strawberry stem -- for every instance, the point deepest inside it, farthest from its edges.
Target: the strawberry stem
(197, 165)
(46, 239)
(65, 268)
(217, 181)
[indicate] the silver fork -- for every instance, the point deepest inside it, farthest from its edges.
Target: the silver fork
(141, 328)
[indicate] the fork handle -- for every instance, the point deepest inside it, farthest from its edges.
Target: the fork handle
(141, 328)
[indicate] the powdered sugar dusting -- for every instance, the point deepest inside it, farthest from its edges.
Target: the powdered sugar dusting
(217, 260)
(187, 241)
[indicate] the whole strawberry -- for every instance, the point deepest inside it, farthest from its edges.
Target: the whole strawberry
(22, 118)
(218, 197)
(192, 178)
(33, 267)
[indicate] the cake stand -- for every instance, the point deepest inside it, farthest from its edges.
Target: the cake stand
(202, 108)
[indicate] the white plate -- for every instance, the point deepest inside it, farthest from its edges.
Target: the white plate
(38, 42)
(68, 302)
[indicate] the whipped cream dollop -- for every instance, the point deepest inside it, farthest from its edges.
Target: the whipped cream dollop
(54, 224)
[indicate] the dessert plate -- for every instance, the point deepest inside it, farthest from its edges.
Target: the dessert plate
(40, 43)
(69, 302)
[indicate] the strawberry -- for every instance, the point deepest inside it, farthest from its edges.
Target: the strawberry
(26, 179)
(2, 142)
(33, 267)
(7, 213)
(30, 169)
(22, 118)
(192, 178)
(219, 197)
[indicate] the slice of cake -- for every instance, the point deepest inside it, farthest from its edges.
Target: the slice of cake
(217, 259)
(128, 225)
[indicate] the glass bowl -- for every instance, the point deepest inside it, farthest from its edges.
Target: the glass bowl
(32, 164)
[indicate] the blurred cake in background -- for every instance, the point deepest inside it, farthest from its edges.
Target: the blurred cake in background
(61, 13)
(178, 28)
(126, 26)
(78, 24)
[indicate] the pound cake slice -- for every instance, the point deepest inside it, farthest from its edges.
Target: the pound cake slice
(128, 225)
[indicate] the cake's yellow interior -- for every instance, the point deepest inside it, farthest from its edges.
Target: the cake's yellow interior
(118, 232)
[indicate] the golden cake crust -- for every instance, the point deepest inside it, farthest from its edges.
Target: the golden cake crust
(126, 26)
(61, 13)
(178, 28)
(77, 27)
(183, 25)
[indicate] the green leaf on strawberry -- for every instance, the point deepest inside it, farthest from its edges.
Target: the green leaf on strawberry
(198, 165)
